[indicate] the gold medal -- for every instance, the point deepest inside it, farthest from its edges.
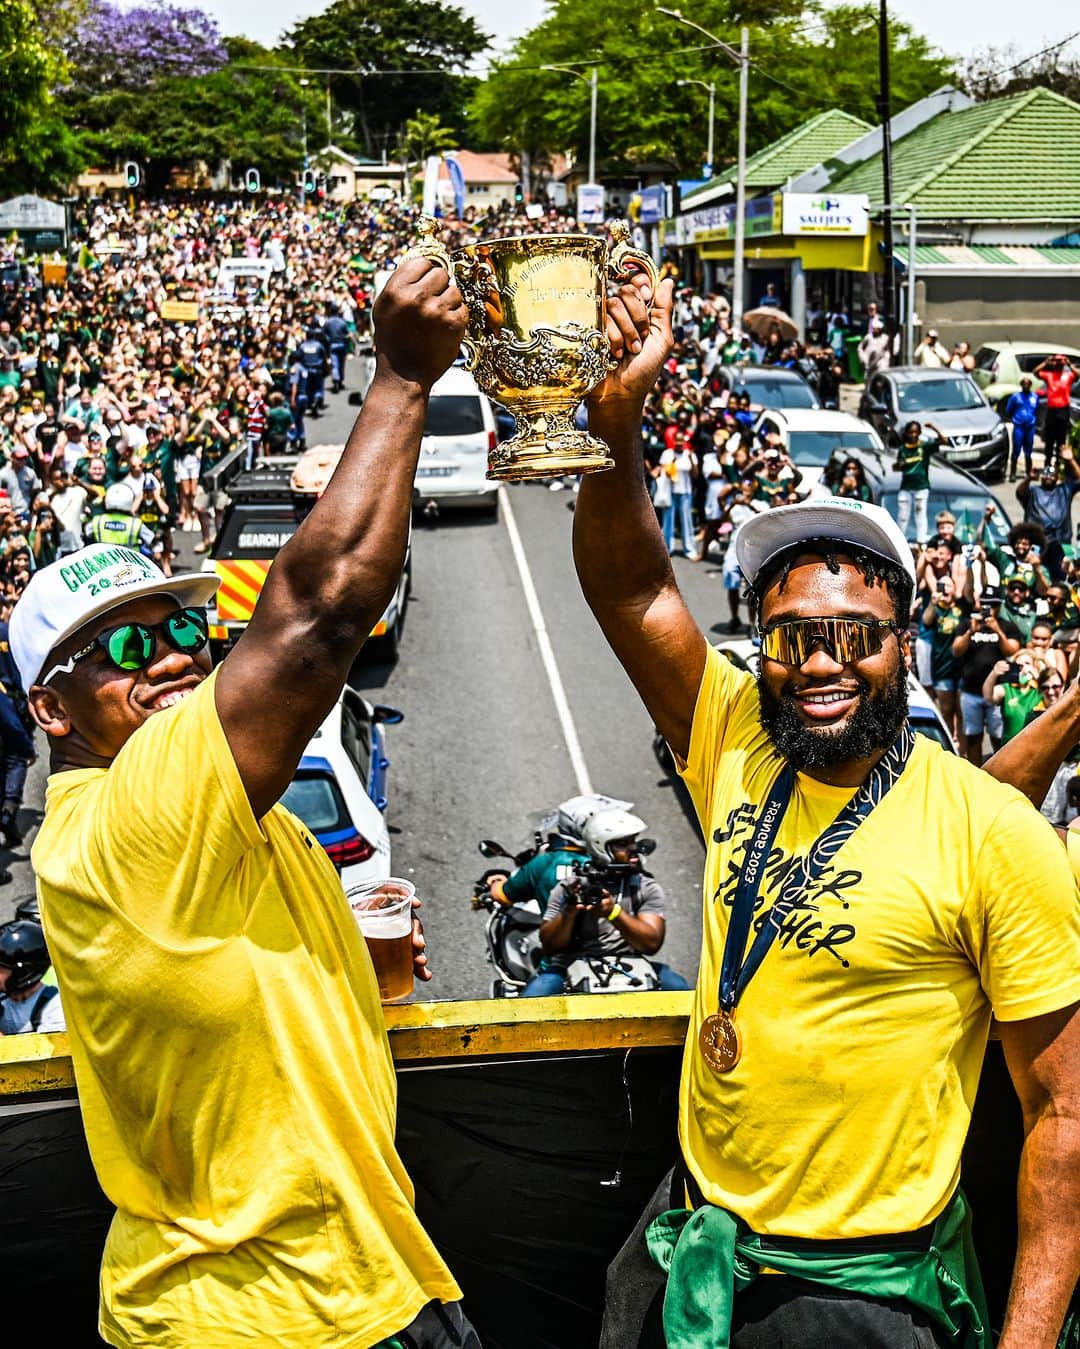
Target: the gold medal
(720, 1042)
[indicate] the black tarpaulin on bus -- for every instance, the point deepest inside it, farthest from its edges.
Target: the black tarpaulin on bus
(513, 1164)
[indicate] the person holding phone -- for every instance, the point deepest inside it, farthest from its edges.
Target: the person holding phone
(1059, 374)
(1013, 685)
(980, 642)
(1048, 503)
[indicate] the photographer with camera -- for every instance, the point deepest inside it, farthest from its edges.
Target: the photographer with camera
(611, 908)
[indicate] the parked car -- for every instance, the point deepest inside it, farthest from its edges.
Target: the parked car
(922, 710)
(811, 436)
(999, 367)
(339, 789)
(770, 386)
(459, 430)
(953, 490)
(975, 436)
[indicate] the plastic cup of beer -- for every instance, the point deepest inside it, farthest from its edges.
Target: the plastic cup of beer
(383, 910)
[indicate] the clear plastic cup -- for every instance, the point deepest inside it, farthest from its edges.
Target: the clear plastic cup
(383, 911)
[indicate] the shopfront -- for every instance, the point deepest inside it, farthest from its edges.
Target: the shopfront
(788, 235)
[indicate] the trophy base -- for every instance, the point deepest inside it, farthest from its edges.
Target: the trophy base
(536, 453)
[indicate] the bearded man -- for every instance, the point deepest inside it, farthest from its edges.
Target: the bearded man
(870, 901)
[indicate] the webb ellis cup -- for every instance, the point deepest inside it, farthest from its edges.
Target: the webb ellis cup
(536, 337)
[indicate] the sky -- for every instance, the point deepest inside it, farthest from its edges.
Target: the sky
(956, 28)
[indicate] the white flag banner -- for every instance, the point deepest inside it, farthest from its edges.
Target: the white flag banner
(431, 183)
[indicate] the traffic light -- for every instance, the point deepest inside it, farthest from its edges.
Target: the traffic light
(309, 182)
(519, 193)
(132, 174)
(252, 181)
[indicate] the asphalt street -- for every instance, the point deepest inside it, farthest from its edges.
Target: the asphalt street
(482, 752)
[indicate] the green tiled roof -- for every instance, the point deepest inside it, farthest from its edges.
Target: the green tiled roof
(974, 257)
(801, 149)
(1009, 159)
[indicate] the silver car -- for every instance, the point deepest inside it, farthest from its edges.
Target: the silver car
(973, 435)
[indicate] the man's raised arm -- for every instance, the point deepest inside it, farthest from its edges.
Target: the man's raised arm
(621, 559)
(335, 576)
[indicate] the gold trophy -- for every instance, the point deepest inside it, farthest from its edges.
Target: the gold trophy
(536, 338)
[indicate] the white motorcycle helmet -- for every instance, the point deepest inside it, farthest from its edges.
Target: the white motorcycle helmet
(120, 498)
(603, 828)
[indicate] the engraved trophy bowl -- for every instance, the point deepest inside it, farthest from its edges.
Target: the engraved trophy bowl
(536, 339)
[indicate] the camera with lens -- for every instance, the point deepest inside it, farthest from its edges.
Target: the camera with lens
(588, 880)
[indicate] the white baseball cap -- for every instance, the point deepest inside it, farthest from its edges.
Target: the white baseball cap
(844, 519)
(67, 593)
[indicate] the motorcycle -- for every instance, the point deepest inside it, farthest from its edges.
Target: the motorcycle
(512, 933)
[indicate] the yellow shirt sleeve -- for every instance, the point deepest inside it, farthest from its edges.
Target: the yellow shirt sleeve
(726, 708)
(172, 805)
(1021, 921)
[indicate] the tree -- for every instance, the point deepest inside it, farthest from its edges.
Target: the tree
(995, 72)
(806, 58)
(375, 37)
(248, 116)
(118, 48)
(425, 135)
(37, 150)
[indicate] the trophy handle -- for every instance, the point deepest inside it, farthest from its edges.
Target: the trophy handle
(430, 246)
(624, 259)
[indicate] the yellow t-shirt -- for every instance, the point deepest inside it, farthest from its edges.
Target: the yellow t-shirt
(235, 1078)
(864, 1028)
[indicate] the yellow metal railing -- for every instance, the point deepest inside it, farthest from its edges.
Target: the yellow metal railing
(437, 1031)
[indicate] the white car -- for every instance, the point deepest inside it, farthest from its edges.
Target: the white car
(810, 436)
(459, 432)
(339, 788)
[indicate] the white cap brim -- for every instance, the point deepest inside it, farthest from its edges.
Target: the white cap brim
(857, 523)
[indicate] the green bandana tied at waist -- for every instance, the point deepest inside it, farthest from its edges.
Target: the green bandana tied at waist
(709, 1255)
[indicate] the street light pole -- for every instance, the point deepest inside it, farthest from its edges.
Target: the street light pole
(884, 100)
(737, 297)
(303, 124)
(708, 166)
(742, 60)
(592, 128)
(591, 82)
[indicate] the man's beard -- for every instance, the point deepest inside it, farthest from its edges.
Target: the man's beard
(874, 725)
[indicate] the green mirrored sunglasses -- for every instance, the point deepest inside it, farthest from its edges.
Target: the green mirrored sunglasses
(130, 646)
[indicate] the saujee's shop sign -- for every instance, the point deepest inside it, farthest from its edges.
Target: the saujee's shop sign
(820, 213)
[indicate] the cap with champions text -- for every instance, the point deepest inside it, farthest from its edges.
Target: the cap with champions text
(67, 593)
(844, 519)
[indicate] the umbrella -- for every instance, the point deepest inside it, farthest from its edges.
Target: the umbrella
(761, 322)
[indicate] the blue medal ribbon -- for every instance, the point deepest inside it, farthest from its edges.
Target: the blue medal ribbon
(736, 972)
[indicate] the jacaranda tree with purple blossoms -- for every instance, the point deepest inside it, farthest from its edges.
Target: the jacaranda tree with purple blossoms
(121, 48)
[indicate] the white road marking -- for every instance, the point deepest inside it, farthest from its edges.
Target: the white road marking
(547, 654)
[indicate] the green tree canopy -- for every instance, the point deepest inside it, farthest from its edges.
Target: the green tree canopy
(377, 36)
(806, 57)
(37, 149)
(251, 117)
(425, 135)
